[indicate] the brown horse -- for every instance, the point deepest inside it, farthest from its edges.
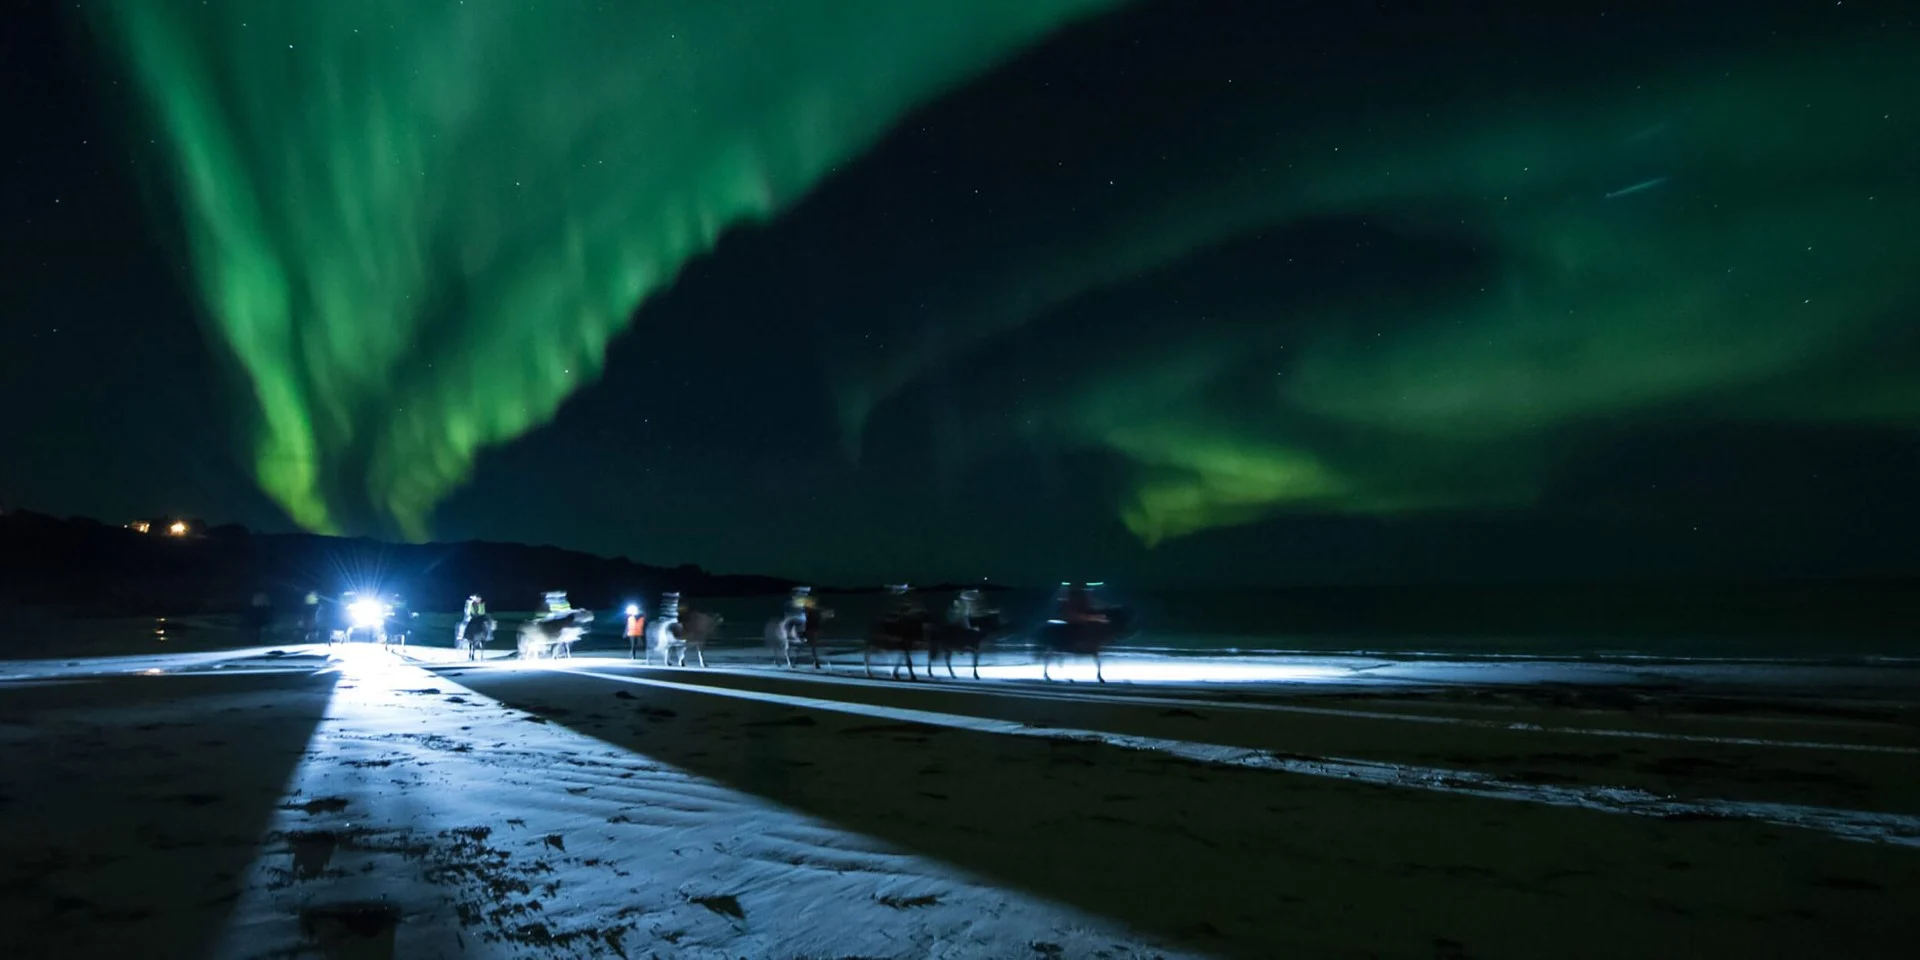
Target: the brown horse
(1060, 639)
(945, 638)
(473, 635)
(690, 631)
(794, 630)
(904, 634)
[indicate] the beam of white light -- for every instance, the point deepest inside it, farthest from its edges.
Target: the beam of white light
(1860, 825)
(447, 800)
(1326, 669)
(1162, 670)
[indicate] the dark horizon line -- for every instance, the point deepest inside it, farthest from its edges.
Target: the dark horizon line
(1624, 580)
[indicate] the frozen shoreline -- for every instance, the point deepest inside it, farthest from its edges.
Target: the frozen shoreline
(596, 807)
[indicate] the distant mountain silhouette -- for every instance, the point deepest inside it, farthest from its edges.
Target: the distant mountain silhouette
(80, 567)
(87, 567)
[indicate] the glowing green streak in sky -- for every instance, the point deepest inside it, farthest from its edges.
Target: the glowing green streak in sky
(1742, 274)
(418, 225)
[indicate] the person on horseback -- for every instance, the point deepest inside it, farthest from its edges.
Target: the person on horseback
(901, 626)
(475, 609)
(310, 616)
(1077, 606)
(801, 610)
(965, 608)
(800, 602)
(906, 606)
(399, 620)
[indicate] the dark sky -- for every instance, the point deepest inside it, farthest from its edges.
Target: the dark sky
(1175, 292)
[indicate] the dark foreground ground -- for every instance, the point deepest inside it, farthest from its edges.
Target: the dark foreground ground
(307, 802)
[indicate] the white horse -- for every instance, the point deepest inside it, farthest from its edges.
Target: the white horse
(553, 636)
(795, 629)
(783, 633)
(660, 637)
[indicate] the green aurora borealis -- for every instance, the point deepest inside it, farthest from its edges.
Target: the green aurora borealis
(419, 232)
(418, 225)
(1722, 241)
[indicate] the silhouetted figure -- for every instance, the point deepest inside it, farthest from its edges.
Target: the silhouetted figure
(310, 621)
(1077, 606)
(902, 627)
(476, 628)
(259, 617)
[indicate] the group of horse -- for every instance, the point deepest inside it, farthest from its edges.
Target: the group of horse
(552, 637)
(548, 637)
(907, 633)
(901, 633)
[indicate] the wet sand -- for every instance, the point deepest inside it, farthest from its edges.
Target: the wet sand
(254, 804)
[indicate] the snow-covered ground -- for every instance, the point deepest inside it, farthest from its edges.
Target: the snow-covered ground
(349, 801)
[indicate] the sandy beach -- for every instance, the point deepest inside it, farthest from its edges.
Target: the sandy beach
(351, 801)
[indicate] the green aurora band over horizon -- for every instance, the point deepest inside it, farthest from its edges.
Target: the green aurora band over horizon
(1713, 239)
(418, 226)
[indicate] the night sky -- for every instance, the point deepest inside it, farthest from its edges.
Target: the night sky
(1165, 292)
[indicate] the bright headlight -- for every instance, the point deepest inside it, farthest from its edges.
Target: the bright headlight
(366, 613)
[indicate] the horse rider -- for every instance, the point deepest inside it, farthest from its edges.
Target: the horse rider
(965, 607)
(475, 610)
(800, 603)
(801, 609)
(399, 621)
(906, 606)
(310, 617)
(1077, 606)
